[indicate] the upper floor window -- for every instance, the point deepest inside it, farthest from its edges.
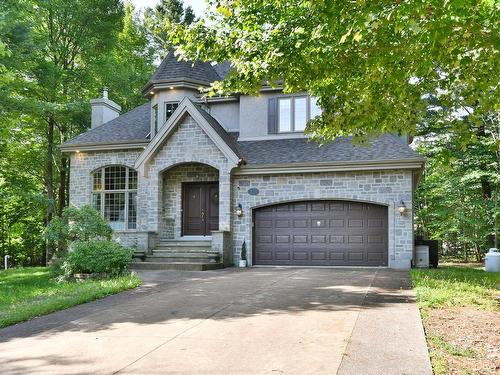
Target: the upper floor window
(155, 118)
(114, 195)
(170, 108)
(294, 112)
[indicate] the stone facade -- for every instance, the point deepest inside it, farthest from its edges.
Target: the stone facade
(186, 145)
(382, 187)
(189, 154)
(83, 164)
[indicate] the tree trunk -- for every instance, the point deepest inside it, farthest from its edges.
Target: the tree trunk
(62, 185)
(49, 184)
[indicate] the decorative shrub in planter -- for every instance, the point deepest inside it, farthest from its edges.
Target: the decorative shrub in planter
(243, 255)
(97, 257)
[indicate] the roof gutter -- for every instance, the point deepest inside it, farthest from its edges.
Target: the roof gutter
(414, 164)
(104, 146)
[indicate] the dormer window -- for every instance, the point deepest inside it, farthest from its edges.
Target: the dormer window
(170, 108)
(295, 111)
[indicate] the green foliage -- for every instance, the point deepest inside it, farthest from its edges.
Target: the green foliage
(97, 256)
(54, 56)
(29, 292)
(78, 224)
(243, 254)
(457, 198)
(157, 19)
(455, 286)
(369, 63)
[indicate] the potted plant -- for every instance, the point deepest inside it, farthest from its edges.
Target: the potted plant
(243, 255)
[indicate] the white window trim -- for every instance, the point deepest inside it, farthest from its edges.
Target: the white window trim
(292, 112)
(103, 192)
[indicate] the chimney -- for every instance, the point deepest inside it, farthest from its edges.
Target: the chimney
(103, 109)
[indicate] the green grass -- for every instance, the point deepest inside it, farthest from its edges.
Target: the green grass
(452, 286)
(29, 292)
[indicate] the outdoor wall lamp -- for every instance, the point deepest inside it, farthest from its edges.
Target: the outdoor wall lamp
(239, 210)
(402, 208)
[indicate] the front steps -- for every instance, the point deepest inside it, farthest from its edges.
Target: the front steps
(181, 255)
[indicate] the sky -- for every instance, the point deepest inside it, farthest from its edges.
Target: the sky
(197, 5)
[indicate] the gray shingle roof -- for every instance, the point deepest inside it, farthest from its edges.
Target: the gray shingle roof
(299, 150)
(171, 70)
(220, 131)
(133, 126)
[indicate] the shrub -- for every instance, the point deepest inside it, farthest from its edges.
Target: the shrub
(244, 251)
(78, 224)
(97, 256)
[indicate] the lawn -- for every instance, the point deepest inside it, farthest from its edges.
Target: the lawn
(29, 292)
(461, 314)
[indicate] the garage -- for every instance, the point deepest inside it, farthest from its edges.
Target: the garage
(321, 233)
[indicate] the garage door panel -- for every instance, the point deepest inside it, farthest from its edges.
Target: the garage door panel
(321, 233)
(300, 255)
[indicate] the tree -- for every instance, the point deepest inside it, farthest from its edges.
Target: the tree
(158, 18)
(457, 199)
(55, 55)
(369, 63)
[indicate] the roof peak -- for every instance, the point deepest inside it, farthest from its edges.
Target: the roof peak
(180, 72)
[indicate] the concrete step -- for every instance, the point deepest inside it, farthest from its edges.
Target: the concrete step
(187, 258)
(185, 243)
(178, 266)
(183, 249)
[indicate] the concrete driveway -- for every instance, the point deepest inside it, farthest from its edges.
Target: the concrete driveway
(253, 321)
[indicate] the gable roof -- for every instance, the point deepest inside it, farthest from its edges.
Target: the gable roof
(131, 127)
(206, 122)
(386, 147)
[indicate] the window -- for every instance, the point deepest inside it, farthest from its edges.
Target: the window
(294, 112)
(155, 118)
(169, 109)
(114, 195)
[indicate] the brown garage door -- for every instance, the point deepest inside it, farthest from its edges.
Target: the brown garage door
(321, 233)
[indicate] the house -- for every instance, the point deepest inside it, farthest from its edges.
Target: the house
(187, 179)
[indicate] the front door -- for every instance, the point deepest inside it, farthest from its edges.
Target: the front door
(200, 208)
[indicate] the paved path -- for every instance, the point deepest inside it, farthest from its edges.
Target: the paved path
(254, 321)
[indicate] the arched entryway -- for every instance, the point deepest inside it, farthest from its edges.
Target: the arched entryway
(189, 201)
(321, 233)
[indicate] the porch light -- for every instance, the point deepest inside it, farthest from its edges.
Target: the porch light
(402, 208)
(152, 92)
(77, 151)
(171, 87)
(239, 210)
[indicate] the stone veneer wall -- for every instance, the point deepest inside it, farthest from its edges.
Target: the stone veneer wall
(384, 187)
(80, 185)
(187, 144)
(171, 223)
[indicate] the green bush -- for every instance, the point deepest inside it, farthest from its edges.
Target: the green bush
(78, 224)
(97, 256)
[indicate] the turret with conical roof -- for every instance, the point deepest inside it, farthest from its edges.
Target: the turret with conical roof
(186, 74)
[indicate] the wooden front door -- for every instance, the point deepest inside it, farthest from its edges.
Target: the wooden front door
(200, 208)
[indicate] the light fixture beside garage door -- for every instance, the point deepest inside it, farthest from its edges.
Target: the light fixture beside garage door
(402, 208)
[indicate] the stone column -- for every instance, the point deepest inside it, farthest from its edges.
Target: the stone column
(224, 200)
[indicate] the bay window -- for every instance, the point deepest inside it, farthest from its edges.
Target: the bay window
(114, 195)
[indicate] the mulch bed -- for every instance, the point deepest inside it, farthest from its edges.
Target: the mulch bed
(466, 328)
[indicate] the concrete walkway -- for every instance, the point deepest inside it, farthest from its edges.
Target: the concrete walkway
(254, 321)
